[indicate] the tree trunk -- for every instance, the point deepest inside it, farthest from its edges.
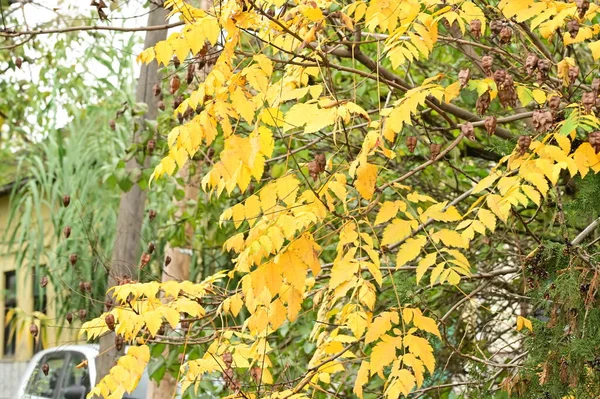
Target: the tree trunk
(125, 256)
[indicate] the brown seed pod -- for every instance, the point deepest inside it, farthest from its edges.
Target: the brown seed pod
(69, 317)
(82, 314)
(582, 6)
(573, 73)
(33, 330)
(189, 112)
(483, 103)
(588, 99)
(411, 143)
(151, 247)
(227, 359)
(144, 260)
(67, 231)
(543, 67)
(468, 131)
(161, 105)
(507, 93)
(112, 124)
(496, 26)
(176, 62)
(542, 120)
(499, 76)
(475, 28)
(594, 139)
(44, 281)
(531, 62)
(87, 286)
(18, 62)
(150, 145)
(66, 200)
(167, 260)
(487, 62)
(73, 259)
(317, 166)
(554, 103)
(573, 28)
(523, 143)
(151, 214)
(256, 372)
(506, 34)
(435, 150)
(108, 305)
(81, 287)
(177, 102)
(101, 4)
(463, 77)
(110, 322)
(174, 84)
(45, 369)
(156, 90)
(191, 70)
(490, 124)
(119, 342)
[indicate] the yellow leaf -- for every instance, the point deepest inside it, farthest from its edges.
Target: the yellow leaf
(595, 49)
(410, 250)
(384, 353)
(388, 210)
(381, 325)
(362, 377)
(403, 384)
(427, 324)
(523, 322)
(485, 183)
(499, 207)
(424, 264)
(397, 230)
(487, 218)
(450, 238)
(366, 178)
(163, 52)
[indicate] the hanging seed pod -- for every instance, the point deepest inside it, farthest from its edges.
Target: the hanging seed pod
(176, 62)
(45, 369)
(101, 4)
(87, 286)
(177, 102)
(499, 76)
(582, 6)
(108, 305)
(150, 146)
(18, 62)
(573, 28)
(596, 86)
(588, 100)
(468, 131)
(411, 143)
(144, 260)
(507, 93)
(151, 214)
(554, 103)
(119, 342)
(81, 287)
(110, 322)
(542, 120)
(66, 200)
(573, 73)
(506, 35)
(82, 314)
(167, 260)
(496, 26)
(33, 330)
(112, 124)
(256, 374)
(483, 103)
(67, 231)
(435, 150)
(156, 90)
(151, 247)
(463, 77)
(174, 84)
(531, 62)
(69, 317)
(44, 281)
(487, 62)
(191, 70)
(523, 143)
(73, 259)
(475, 28)
(161, 105)
(490, 124)
(227, 359)
(543, 67)
(189, 112)
(594, 139)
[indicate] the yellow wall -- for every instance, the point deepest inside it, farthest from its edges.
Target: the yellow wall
(25, 301)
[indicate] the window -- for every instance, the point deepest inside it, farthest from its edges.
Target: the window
(44, 386)
(10, 301)
(76, 378)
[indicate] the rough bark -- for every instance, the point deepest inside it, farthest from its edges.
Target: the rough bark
(126, 251)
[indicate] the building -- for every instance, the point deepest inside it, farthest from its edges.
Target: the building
(20, 289)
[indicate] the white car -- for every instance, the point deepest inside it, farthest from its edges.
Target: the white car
(64, 380)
